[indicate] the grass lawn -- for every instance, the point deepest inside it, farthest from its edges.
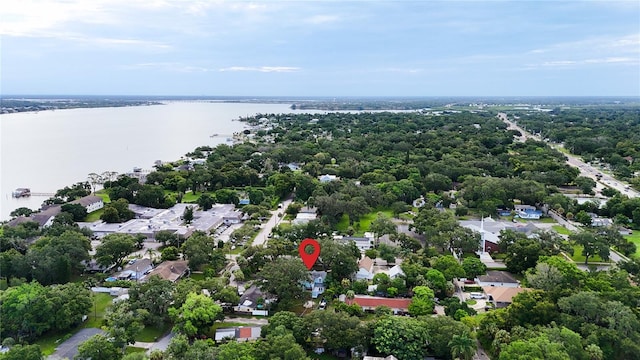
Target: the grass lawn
(579, 258)
(94, 216)
(50, 341)
(103, 194)
(365, 221)
(561, 230)
(222, 325)
(133, 349)
(197, 276)
(152, 333)
(547, 220)
(635, 238)
(100, 303)
(189, 196)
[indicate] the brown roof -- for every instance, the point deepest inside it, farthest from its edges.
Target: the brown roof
(87, 200)
(170, 270)
(366, 263)
(502, 294)
(374, 301)
(244, 332)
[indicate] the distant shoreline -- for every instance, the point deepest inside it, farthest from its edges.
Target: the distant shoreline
(19, 103)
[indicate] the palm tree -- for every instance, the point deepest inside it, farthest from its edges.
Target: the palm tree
(350, 296)
(462, 347)
(152, 253)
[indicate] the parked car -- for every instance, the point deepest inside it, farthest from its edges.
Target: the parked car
(476, 295)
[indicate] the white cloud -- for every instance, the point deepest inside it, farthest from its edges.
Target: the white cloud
(167, 66)
(262, 68)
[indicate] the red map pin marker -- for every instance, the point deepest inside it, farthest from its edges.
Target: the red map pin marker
(309, 259)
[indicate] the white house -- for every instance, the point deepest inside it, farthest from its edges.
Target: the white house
(91, 203)
(395, 272)
(327, 178)
(365, 269)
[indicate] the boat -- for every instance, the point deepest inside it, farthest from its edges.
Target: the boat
(21, 192)
(214, 135)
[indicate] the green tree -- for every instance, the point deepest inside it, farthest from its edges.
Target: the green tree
(21, 211)
(382, 225)
(155, 296)
(123, 323)
(205, 201)
(114, 248)
(98, 347)
(404, 338)
(436, 281)
(201, 250)
(290, 321)
(473, 267)
(23, 352)
(187, 215)
(283, 277)
(522, 255)
(78, 211)
(170, 253)
(337, 258)
(462, 347)
(335, 330)
(280, 345)
(196, 315)
(592, 244)
(583, 218)
(234, 350)
(422, 302)
(449, 266)
(69, 302)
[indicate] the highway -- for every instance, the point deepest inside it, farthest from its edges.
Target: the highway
(585, 169)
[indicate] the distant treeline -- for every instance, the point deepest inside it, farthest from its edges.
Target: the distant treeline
(41, 104)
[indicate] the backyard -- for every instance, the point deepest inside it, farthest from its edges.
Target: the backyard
(50, 341)
(635, 238)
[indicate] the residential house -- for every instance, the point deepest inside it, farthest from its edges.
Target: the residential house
(247, 333)
(253, 301)
(304, 217)
(501, 296)
(327, 178)
(370, 303)
(597, 221)
(365, 269)
(497, 278)
(527, 212)
(91, 203)
(46, 216)
(395, 272)
(316, 284)
(363, 243)
(171, 270)
(390, 357)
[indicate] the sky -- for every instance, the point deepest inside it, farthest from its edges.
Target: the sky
(320, 48)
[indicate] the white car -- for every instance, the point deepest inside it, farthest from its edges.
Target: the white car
(476, 295)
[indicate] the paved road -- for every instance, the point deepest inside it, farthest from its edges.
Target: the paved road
(69, 348)
(585, 169)
(262, 237)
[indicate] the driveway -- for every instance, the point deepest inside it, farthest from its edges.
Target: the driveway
(69, 348)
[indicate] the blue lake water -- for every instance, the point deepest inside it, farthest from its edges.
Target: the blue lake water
(48, 150)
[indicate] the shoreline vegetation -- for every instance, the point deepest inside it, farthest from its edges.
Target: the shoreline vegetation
(34, 103)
